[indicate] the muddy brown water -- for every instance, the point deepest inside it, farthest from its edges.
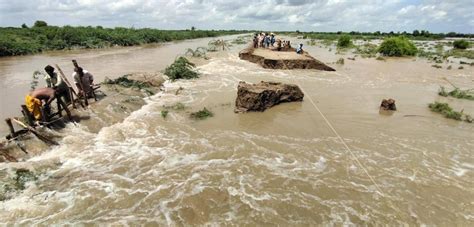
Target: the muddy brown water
(280, 167)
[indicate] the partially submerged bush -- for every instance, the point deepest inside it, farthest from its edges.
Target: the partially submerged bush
(344, 41)
(340, 61)
(367, 50)
(448, 112)
(199, 52)
(397, 46)
(461, 44)
(182, 68)
(124, 81)
(215, 45)
(437, 66)
(202, 114)
(457, 93)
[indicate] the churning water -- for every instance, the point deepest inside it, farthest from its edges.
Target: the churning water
(280, 167)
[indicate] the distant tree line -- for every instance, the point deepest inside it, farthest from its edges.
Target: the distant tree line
(415, 35)
(41, 37)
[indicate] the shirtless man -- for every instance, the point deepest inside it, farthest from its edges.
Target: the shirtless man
(42, 97)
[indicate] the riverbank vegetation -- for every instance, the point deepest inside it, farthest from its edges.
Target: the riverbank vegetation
(42, 37)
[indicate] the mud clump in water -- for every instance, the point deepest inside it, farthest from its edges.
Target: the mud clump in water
(282, 59)
(388, 104)
(259, 97)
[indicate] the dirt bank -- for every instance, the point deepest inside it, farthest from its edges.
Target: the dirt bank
(282, 59)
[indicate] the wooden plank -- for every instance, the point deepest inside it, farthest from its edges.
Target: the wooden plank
(36, 133)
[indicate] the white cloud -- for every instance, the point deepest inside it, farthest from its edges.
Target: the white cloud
(304, 15)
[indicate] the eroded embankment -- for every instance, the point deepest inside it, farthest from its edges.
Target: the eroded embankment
(116, 100)
(282, 59)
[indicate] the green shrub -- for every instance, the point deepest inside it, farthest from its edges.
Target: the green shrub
(181, 69)
(344, 41)
(202, 114)
(397, 46)
(40, 23)
(448, 112)
(461, 44)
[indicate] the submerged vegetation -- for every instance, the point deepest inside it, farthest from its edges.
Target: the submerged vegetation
(41, 37)
(397, 46)
(16, 183)
(199, 52)
(448, 112)
(457, 93)
(216, 45)
(201, 114)
(182, 68)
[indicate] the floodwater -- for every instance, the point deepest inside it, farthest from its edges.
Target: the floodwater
(284, 166)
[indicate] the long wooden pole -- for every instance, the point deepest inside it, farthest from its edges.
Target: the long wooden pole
(36, 133)
(61, 73)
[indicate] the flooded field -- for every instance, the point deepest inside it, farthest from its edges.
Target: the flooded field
(284, 166)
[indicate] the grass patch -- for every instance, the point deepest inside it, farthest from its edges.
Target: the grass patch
(397, 46)
(202, 114)
(311, 42)
(182, 68)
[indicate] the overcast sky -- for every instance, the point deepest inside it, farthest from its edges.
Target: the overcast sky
(273, 15)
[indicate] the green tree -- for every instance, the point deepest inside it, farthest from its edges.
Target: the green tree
(416, 33)
(40, 23)
(24, 25)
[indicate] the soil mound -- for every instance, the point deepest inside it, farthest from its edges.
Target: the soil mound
(273, 59)
(259, 97)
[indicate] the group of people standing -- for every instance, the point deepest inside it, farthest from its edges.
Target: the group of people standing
(57, 88)
(265, 40)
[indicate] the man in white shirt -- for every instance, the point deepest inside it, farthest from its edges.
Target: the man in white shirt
(84, 80)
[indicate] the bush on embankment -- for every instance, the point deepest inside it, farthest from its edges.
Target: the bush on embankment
(461, 44)
(22, 41)
(398, 47)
